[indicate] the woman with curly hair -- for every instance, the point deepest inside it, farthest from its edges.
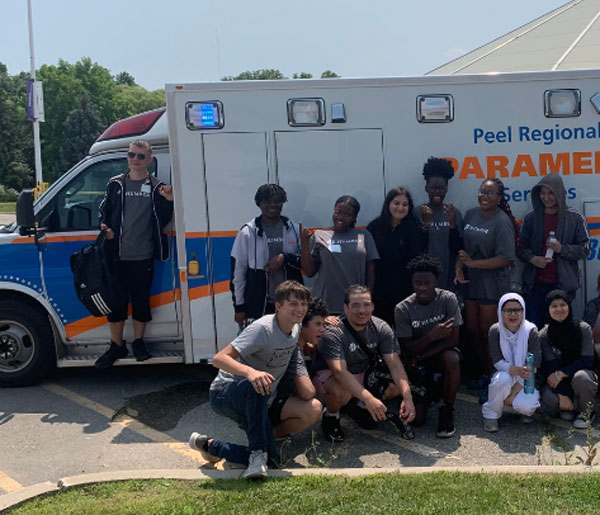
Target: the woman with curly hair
(442, 220)
(484, 266)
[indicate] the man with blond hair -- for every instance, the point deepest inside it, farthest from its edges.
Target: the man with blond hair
(135, 209)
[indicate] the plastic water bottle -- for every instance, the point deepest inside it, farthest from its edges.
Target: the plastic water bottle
(551, 239)
(529, 384)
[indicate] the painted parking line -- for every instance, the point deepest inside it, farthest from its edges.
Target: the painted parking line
(558, 422)
(127, 422)
(8, 484)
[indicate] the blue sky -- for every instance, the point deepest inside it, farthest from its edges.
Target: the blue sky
(176, 41)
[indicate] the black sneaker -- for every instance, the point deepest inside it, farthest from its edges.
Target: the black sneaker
(332, 429)
(403, 429)
(140, 351)
(361, 416)
(113, 353)
(445, 427)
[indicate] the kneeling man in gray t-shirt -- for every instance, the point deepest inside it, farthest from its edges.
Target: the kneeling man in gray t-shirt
(343, 359)
(250, 369)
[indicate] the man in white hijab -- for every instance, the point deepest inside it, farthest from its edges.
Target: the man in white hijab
(510, 339)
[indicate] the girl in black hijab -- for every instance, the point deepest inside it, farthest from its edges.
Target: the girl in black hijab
(568, 354)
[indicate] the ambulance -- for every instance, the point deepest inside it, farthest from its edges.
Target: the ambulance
(319, 139)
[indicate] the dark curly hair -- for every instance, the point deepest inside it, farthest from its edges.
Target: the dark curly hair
(438, 167)
(268, 192)
(316, 308)
(425, 263)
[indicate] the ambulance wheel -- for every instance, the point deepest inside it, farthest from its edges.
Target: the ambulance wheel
(26, 343)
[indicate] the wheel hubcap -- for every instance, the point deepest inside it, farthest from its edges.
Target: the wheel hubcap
(16, 346)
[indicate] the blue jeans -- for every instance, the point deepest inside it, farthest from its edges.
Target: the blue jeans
(535, 303)
(240, 402)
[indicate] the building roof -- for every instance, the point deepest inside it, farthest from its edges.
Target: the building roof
(564, 39)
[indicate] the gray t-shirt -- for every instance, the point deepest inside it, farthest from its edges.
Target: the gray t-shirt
(262, 346)
(296, 368)
(484, 238)
(439, 241)
(137, 242)
(338, 343)
(274, 235)
(415, 320)
(341, 259)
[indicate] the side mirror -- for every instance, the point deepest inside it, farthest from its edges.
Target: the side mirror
(25, 216)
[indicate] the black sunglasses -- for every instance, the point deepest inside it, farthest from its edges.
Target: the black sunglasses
(141, 157)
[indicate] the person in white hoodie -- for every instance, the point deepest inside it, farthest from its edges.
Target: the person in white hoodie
(510, 339)
(265, 253)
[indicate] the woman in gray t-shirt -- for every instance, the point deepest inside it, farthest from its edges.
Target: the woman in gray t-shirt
(484, 265)
(342, 255)
(442, 221)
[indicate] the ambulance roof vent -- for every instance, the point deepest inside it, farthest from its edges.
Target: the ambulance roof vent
(132, 126)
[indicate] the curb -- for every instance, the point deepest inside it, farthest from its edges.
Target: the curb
(29, 493)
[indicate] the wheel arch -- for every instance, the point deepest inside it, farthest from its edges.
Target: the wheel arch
(16, 292)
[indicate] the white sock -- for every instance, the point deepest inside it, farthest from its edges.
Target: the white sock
(327, 413)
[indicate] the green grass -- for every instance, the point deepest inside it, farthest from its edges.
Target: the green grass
(7, 207)
(437, 493)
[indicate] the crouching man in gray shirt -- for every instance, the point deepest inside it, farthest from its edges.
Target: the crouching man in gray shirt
(342, 364)
(250, 369)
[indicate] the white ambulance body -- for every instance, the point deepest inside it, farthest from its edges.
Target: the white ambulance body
(319, 139)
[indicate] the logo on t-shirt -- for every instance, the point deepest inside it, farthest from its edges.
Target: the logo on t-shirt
(144, 194)
(428, 321)
(469, 227)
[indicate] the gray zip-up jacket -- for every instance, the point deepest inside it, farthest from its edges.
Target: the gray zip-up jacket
(571, 232)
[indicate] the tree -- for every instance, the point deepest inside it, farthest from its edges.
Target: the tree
(267, 74)
(81, 128)
(15, 131)
(130, 100)
(328, 74)
(64, 87)
(124, 78)
(302, 75)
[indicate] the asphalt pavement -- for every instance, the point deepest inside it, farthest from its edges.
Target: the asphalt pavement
(83, 421)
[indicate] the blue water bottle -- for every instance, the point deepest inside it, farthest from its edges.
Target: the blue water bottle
(529, 384)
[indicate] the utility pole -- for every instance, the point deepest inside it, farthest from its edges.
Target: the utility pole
(36, 98)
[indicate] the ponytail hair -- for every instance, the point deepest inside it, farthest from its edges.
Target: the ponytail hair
(504, 205)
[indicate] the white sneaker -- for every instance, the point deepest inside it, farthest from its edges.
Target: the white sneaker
(490, 425)
(257, 465)
(197, 442)
(581, 422)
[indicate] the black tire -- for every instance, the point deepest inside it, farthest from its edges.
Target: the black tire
(26, 343)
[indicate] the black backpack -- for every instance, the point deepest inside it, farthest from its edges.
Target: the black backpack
(96, 286)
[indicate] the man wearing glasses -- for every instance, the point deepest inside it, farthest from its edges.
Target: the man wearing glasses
(135, 209)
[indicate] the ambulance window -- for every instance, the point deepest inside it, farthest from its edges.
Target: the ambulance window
(306, 112)
(562, 103)
(76, 206)
(435, 108)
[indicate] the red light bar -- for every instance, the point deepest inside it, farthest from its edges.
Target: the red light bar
(132, 126)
